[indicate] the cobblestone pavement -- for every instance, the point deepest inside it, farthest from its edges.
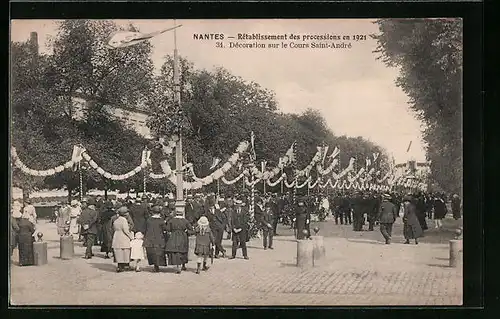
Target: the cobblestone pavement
(358, 270)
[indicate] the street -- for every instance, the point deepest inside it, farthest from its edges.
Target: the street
(359, 270)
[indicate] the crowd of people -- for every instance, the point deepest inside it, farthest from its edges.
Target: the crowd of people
(146, 228)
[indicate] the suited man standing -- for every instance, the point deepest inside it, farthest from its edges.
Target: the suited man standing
(88, 222)
(266, 220)
(217, 221)
(387, 216)
(301, 218)
(239, 228)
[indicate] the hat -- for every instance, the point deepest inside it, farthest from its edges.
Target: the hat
(178, 213)
(189, 196)
(238, 202)
(74, 202)
(386, 196)
(407, 198)
(139, 235)
(156, 209)
(122, 210)
(203, 221)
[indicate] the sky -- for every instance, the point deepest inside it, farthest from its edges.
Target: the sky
(355, 92)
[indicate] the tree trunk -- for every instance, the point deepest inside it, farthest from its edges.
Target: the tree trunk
(105, 193)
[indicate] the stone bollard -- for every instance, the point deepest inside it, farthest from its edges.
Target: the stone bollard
(455, 253)
(192, 243)
(66, 246)
(318, 250)
(305, 248)
(40, 251)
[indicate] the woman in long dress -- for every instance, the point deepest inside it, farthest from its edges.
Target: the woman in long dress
(440, 211)
(14, 229)
(178, 244)
(121, 240)
(25, 240)
(412, 228)
(155, 239)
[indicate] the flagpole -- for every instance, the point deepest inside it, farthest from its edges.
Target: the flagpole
(179, 203)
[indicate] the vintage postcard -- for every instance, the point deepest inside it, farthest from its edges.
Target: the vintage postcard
(267, 162)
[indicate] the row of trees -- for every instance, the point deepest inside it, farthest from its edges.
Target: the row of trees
(429, 54)
(221, 110)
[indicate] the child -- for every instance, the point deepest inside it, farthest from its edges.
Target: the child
(136, 250)
(204, 242)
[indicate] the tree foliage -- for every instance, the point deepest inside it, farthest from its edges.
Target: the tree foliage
(220, 110)
(429, 55)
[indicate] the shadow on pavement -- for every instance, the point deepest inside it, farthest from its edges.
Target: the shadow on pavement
(439, 265)
(288, 265)
(365, 241)
(104, 267)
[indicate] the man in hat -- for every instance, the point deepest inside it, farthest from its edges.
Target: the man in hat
(239, 228)
(387, 216)
(301, 220)
(88, 222)
(218, 222)
(266, 220)
(138, 213)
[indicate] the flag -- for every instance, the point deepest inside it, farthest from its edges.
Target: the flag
(409, 146)
(122, 39)
(368, 162)
(252, 141)
(215, 162)
(325, 151)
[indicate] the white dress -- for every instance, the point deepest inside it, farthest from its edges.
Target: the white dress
(136, 249)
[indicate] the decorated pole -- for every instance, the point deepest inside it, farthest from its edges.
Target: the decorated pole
(179, 203)
(263, 164)
(81, 180)
(282, 181)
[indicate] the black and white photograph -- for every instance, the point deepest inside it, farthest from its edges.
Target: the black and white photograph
(236, 162)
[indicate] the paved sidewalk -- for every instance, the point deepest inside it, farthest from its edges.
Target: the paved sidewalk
(357, 271)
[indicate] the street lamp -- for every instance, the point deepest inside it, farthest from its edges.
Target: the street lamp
(128, 38)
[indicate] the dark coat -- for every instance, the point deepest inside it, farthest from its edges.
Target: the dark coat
(107, 237)
(217, 219)
(14, 230)
(387, 213)
(440, 209)
(203, 242)
(412, 228)
(25, 242)
(190, 212)
(155, 235)
(301, 215)
(178, 229)
(139, 215)
(89, 218)
(239, 220)
(267, 217)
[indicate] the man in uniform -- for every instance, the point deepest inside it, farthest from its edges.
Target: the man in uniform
(239, 228)
(387, 216)
(88, 222)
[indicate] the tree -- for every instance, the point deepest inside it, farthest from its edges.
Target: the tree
(44, 124)
(429, 55)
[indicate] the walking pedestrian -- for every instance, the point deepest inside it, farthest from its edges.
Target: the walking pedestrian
(204, 242)
(218, 222)
(456, 206)
(177, 246)
(88, 222)
(121, 240)
(137, 250)
(440, 210)
(107, 228)
(30, 211)
(155, 239)
(387, 216)
(14, 229)
(411, 228)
